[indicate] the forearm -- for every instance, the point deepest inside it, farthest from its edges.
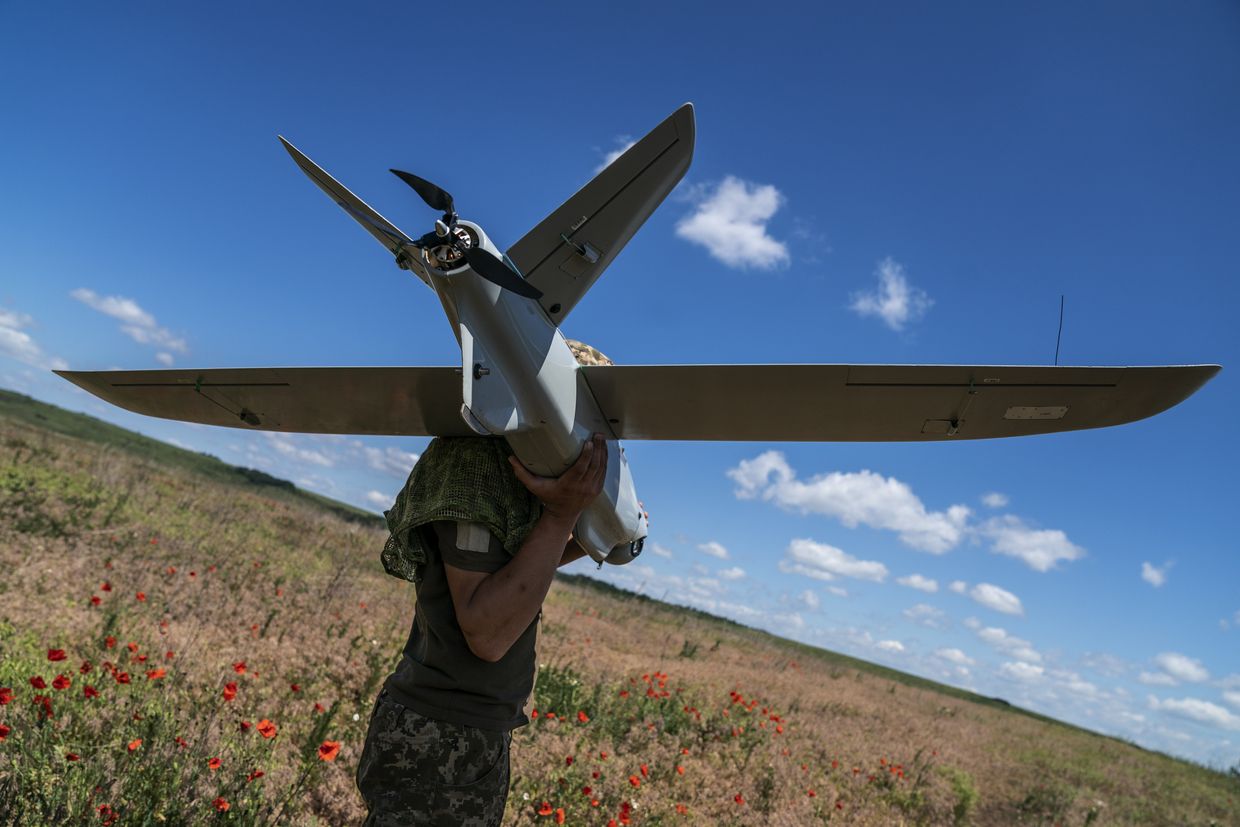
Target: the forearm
(504, 604)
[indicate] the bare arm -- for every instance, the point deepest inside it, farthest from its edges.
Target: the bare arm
(494, 609)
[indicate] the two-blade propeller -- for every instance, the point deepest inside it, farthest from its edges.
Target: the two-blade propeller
(484, 263)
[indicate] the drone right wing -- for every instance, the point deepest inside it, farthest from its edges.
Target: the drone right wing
(879, 403)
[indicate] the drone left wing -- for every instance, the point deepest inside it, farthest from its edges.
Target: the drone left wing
(384, 401)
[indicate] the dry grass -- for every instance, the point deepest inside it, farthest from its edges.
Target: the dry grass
(684, 718)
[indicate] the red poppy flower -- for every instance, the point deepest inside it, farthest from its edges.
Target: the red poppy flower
(72, 756)
(230, 691)
(140, 596)
(245, 726)
(134, 744)
(4, 732)
(94, 600)
(568, 760)
(645, 771)
(318, 707)
(583, 717)
(172, 569)
(122, 677)
(811, 793)
(545, 809)
(107, 587)
(266, 728)
(155, 674)
(45, 706)
(181, 742)
(169, 655)
(6, 695)
(109, 642)
(680, 770)
(221, 804)
(635, 781)
(254, 776)
(739, 799)
(131, 646)
(328, 750)
(38, 683)
(294, 687)
(682, 809)
(56, 654)
(85, 667)
(559, 815)
(239, 667)
(61, 682)
(213, 764)
(839, 805)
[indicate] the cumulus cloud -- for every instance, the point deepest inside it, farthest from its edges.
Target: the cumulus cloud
(285, 445)
(926, 615)
(810, 599)
(955, 656)
(659, 550)
(861, 498)
(1009, 644)
(379, 499)
(730, 221)
(895, 301)
(994, 500)
(916, 581)
(734, 573)
(17, 344)
(714, 550)
(1039, 549)
(838, 591)
(390, 460)
(824, 562)
(1021, 671)
(1154, 575)
(1195, 709)
(136, 323)
(893, 646)
(625, 144)
(1000, 600)
(1182, 667)
(1232, 698)
(958, 586)
(1156, 679)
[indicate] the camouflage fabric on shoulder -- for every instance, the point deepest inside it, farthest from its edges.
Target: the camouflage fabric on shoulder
(417, 771)
(458, 478)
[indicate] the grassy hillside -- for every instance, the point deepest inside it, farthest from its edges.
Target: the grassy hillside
(231, 633)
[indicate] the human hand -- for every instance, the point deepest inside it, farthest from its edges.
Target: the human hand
(567, 495)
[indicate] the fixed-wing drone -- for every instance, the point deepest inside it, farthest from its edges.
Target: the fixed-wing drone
(518, 378)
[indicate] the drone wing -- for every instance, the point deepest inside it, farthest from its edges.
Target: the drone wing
(387, 401)
(566, 253)
(879, 403)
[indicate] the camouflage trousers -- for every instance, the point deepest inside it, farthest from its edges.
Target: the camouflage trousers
(417, 771)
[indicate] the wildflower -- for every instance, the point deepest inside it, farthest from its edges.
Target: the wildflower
(38, 683)
(739, 799)
(213, 764)
(245, 726)
(559, 815)
(109, 642)
(680, 770)
(72, 756)
(254, 776)
(122, 677)
(811, 793)
(172, 569)
(586, 790)
(839, 805)
(568, 760)
(6, 695)
(61, 682)
(45, 706)
(56, 654)
(645, 771)
(266, 728)
(169, 655)
(545, 809)
(635, 781)
(134, 744)
(131, 646)
(94, 600)
(4, 732)
(294, 687)
(181, 742)
(85, 667)
(682, 809)
(107, 587)
(155, 674)
(221, 803)
(140, 597)
(230, 691)
(318, 707)
(107, 814)
(239, 667)
(328, 750)
(582, 717)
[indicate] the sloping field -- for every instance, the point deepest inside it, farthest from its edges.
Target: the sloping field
(186, 643)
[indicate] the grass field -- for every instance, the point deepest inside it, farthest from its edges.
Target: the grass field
(182, 642)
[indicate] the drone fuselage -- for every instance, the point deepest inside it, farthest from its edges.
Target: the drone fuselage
(520, 381)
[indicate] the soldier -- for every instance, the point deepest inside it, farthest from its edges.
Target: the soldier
(481, 538)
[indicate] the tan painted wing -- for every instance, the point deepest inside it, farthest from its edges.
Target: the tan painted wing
(603, 215)
(879, 403)
(390, 401)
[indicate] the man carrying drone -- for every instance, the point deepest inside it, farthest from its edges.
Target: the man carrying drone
(482, 538)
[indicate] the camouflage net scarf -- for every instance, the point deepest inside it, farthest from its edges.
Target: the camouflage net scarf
(458, 478)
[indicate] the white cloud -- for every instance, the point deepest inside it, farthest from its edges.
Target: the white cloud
(824, 562)
(861, 498)
(916, 581)
(1182, 667)
(714, 550)
(895, 301)
(17, 344)
(1039, 549)
(136, 323)
(1232, 698)
(1009, 644)
(284, 444)
(164, 359)
(1195, 709)
(810, 599)
(390, 460)
(958, 586)
(730, 222)
(1021, 671)
(994, 500)
(379, 499)
(659, 551)
(838, 591)
(890, 646)
(625, 142)
(955, 656)
(926, 615)
(734, 573)
(1153, 575)
(993, 597)
(1156, 679)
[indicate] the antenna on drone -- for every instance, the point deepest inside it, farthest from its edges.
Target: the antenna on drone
(1059, 335)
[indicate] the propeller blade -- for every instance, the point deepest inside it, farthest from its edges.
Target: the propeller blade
(497, 272)
(434, 197)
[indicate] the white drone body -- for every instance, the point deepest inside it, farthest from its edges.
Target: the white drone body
(519, 380)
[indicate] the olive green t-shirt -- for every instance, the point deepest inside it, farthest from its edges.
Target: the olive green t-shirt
(438, 676)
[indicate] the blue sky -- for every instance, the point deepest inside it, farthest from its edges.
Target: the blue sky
(909, 183)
